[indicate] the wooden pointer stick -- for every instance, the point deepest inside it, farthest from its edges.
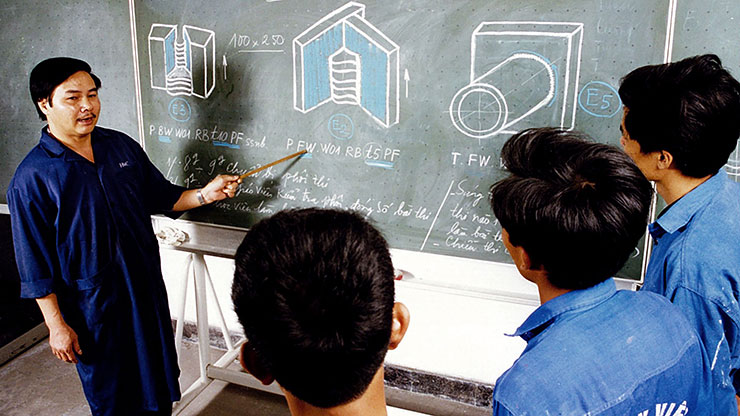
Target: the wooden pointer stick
(253, 171)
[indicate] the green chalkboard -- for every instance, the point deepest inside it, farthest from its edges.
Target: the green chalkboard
(95, 31)
(403, 105)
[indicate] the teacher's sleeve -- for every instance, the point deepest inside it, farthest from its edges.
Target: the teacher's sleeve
(32, 224)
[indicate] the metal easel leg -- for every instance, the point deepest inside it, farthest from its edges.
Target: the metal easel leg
(201, 306)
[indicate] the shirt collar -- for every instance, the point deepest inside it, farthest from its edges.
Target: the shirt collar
(681, 212)
(52, 145)
(56, 148)
(575, 300)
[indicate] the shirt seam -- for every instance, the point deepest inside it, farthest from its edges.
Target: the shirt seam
(709, 300)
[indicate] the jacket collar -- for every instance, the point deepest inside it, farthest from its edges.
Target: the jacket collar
(575, 300)
(681, 212)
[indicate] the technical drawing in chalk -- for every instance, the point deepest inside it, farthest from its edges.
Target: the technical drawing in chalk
(344, 59)
(184, 66)
(733, 163)
(522, 74)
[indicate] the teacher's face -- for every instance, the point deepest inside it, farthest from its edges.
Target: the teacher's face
(73, 109)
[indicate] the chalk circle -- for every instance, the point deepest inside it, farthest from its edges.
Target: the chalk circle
(179, 109)
(602, 89)
(347, 129)
(479, 110)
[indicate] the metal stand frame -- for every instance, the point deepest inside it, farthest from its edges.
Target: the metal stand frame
(196, 267)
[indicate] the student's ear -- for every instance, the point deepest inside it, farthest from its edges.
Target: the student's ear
(664, 159)
(43, 105)
(401, 319)
(250, 362)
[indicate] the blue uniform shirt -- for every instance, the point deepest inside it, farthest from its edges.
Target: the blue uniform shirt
(600, 351)
(83, 231)
(696, 264)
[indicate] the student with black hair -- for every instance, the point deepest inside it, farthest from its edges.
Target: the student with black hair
(681, 123)
(314, 291)
(80, 206)
(572, 212)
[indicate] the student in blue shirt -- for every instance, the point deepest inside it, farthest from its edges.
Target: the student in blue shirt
(681, 123)
(80, 205)
(572, 212)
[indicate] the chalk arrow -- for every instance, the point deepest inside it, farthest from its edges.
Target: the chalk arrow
(225, 65)
(406, 78)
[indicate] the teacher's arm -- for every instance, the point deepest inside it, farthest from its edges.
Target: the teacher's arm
(220, 187)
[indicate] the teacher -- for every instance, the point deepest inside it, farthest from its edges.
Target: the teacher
(80, 205)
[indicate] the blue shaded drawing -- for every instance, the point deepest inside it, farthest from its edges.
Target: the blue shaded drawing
(344, 59)
(182, 67)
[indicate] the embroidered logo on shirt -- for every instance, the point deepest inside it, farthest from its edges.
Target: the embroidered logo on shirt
(123, 164)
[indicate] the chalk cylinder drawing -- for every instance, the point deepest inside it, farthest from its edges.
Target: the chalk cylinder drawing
(184, 66)
(344, 59)
(522, 74)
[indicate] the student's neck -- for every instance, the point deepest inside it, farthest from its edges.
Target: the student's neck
(546, 290)
(371, 403)
(675, 185)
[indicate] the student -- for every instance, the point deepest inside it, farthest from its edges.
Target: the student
(572, 212)
(314, 291)
(80, 206)
(681, 123)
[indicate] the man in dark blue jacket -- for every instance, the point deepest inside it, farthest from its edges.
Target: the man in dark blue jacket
(80, 206)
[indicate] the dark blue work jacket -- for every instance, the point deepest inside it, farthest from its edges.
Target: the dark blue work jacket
(83, 231)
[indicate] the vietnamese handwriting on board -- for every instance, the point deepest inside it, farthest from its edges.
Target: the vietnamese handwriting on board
(459, 223)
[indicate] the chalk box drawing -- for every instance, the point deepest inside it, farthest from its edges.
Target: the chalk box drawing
(344, 59)
(522, 74)
(184, 66)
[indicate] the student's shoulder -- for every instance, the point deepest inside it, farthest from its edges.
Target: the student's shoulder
(650, 306)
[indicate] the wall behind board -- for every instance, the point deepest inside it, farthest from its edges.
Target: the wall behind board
(409, 132)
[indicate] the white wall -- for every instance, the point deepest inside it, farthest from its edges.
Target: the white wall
(460, 310)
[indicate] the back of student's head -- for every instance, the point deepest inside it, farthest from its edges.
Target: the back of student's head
(47, 75)
(578, 208)
(690, 108)
(314, 291)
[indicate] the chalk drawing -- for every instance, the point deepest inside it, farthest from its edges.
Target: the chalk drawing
(344, 59)
(522, 74)
(184, 66)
